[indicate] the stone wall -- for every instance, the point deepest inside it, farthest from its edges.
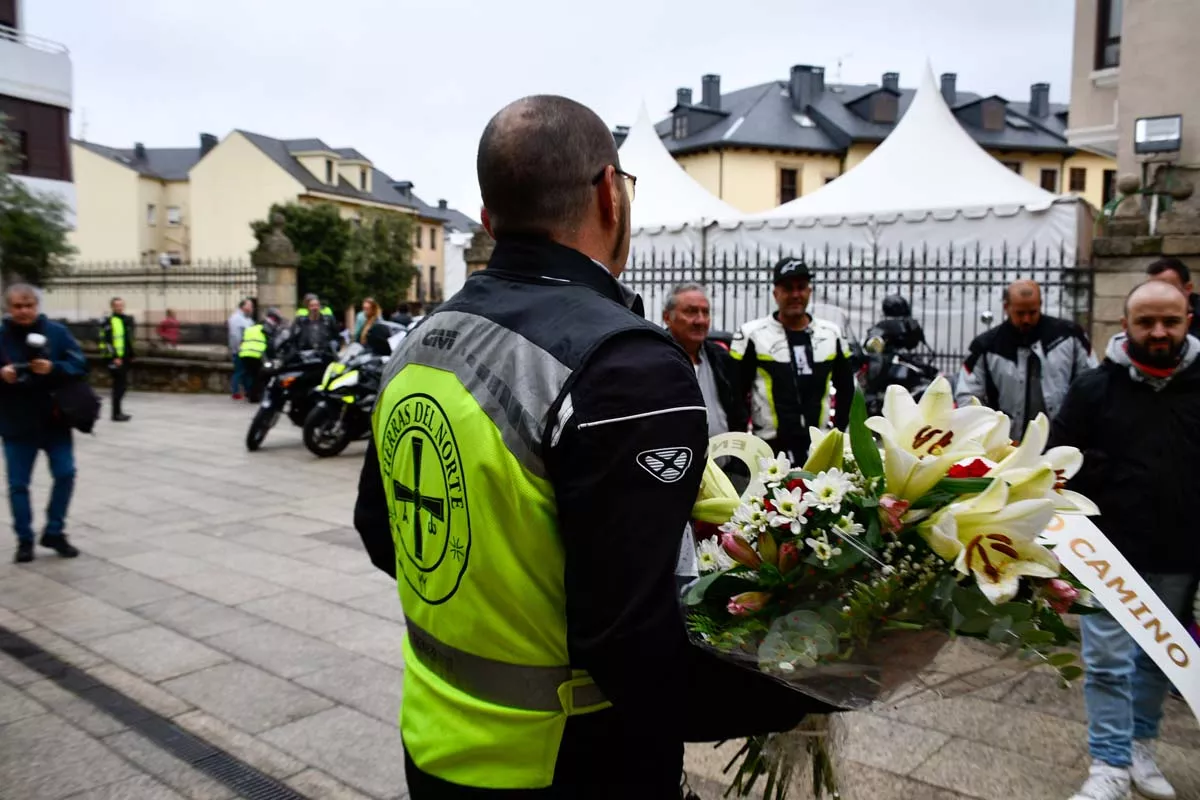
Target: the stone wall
(163, 370)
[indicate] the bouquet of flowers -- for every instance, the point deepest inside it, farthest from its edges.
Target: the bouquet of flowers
(844, 577)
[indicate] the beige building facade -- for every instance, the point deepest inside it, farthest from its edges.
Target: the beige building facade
(1134, 59)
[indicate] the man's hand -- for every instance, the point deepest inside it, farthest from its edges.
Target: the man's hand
(40, 366)
(8, 373)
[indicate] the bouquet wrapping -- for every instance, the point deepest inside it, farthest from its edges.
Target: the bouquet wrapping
(845, 577)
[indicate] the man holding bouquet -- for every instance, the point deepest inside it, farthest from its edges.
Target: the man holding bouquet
(1136, 418)
(537, 449)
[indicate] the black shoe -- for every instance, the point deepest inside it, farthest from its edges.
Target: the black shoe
(24, 553)
(121, 418)
(60, 545)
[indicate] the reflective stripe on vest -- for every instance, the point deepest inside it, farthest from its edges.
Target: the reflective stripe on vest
(458, 429)
(254, 342)
(116, 332)
(326, 311)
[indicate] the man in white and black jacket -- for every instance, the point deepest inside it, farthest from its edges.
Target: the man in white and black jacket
(1024, 366)
(1136, 418)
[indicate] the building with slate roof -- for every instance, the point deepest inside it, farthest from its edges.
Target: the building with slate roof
(762, 146)
(193, 204)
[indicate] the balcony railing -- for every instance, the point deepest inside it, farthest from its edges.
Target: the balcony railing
(29, 40)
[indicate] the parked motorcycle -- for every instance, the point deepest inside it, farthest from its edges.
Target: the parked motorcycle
(346, 395)
(291, 375)
(892, 355)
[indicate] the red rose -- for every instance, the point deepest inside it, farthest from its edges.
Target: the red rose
(797, 483)
(975, 469)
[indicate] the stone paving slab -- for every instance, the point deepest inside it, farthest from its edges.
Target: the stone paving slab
(227, 592)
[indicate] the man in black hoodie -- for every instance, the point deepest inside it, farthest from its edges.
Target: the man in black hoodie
(1136, 418)
(36, 356)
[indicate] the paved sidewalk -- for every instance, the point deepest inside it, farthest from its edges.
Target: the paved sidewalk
(226, 617)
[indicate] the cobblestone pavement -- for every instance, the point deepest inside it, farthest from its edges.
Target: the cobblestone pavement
(224, 629)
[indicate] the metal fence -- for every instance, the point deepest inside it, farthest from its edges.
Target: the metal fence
(956, 294)
(198, 293)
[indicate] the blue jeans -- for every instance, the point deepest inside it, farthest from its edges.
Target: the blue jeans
(1124, 690)
(240, 385)
(19, 458)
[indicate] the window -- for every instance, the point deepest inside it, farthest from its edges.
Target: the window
(20, 159)
(174, 215)
(40, 140)
(151, 214)
(328, 171)
(420, 294)
(1015, 166)
(1110, 186)
(680, 131)
(433, 284)
(1108, 33)
(1050, 180)
(1078, 179)
(418, 235)
(788, 185)
(362, 178)
(433, 238)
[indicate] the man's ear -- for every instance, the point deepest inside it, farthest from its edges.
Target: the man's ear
(486, 219)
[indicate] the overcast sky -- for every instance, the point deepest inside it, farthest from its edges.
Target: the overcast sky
(411, 85)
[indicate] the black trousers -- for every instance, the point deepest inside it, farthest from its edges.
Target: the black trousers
(120, 381)
(252, 368)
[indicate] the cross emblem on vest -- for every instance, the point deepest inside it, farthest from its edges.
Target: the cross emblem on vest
(435, 507)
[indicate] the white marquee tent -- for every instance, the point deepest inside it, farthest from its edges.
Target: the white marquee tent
(928, 184)
(671, 208)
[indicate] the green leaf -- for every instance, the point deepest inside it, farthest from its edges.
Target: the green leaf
(1037, 637)
(862, 441)
(1000, 630)
(695, 594)
(1019, 612)
(1061, 659)
(1070, 673)
(968, 599)
(961, 486)
(979, 623)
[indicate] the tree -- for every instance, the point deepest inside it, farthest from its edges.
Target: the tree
(33, 226)
(379, 258)
(320, 236)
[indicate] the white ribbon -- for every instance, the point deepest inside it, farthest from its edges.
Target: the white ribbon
(745, 448)
(1088, 555)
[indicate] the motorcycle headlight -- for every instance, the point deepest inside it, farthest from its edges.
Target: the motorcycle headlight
(345, 381)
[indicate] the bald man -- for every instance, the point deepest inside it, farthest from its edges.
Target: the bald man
(1137, 420)
(537, 450)
(1025, 365)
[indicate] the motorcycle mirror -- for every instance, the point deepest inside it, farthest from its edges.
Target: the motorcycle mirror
(874, 345)
(986, 317)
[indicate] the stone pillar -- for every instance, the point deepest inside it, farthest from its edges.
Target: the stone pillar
(277, 263)
(1126, 248)
(479, 251)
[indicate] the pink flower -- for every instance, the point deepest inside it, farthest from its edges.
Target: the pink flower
(747, 603)
(789, 557)
(891, 510)
(740, 550)
(1060, 594)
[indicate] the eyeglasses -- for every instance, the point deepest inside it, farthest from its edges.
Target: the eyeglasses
(630, 180)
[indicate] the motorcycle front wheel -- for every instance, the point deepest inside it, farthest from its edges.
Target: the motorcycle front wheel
(259, 426)
(324, 435)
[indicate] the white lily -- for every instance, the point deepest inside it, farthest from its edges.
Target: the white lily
(1030, 472)
(997, 443)
(826, 452)
(993, 538)
(922, 440)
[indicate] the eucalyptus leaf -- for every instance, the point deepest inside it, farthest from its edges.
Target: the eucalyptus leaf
(1037, 637)
(1000, 630)
(1070, 673)
(979, 623)
(1018, 612)
(1062, 659)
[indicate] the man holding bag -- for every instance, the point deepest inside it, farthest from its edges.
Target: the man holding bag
(37, 357)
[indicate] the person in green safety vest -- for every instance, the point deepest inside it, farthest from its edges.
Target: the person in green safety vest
(537, 448)
(117, 336)
(255, 347)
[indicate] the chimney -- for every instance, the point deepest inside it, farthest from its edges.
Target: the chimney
(683, 97)
(139, 151)
(891, 80)
(949, 88)
(403, 187)
(1039, 100)
(207, 143)
(807, 83)
(711, 91)
(442, 205)
(621, 134)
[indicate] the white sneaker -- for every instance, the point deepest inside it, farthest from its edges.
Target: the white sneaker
(1105, 782)
(1147, 777)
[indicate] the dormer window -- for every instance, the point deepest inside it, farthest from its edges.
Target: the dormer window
(680, 131)
(362, 178)
(329, 171)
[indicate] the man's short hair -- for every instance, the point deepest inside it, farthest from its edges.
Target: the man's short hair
(1170, 264)
(308, 298)
(537, 162)
(673, 298)
(21, 290)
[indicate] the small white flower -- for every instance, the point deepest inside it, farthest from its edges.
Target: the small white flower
(827, 490)
(822, 549)
(846, 526)
(790, 509)
(710, 556)
(787, 666)
(774, 470)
